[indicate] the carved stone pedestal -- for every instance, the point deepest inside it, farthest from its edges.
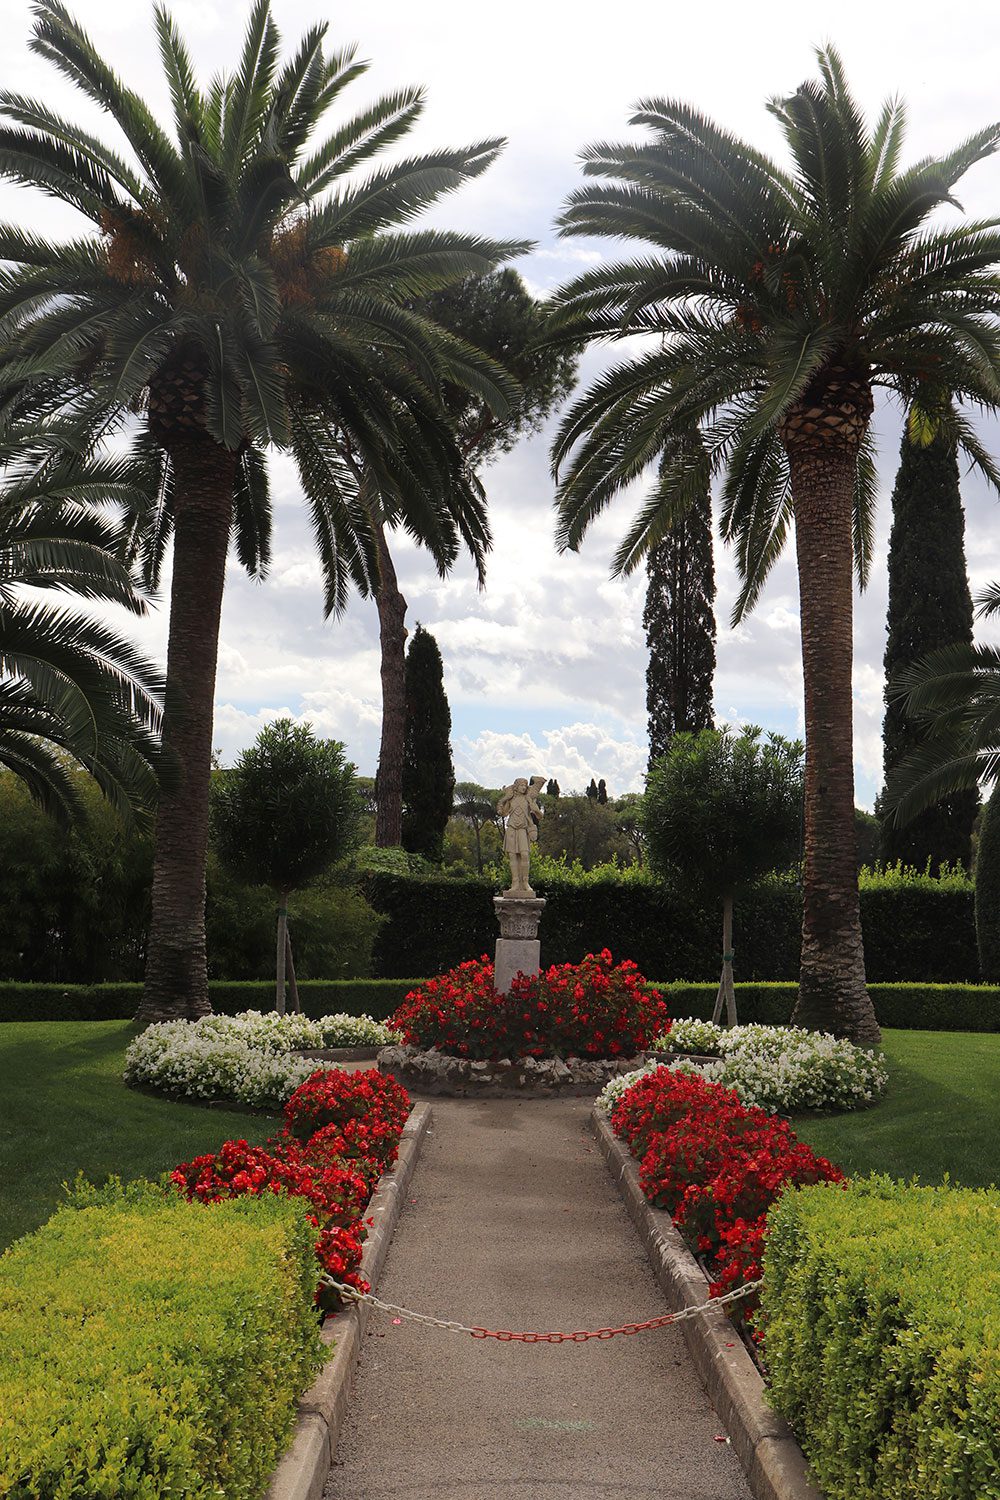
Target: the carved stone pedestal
(518, 947)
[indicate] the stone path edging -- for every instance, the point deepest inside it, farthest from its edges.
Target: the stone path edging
(774, 1463)
(302, 1472)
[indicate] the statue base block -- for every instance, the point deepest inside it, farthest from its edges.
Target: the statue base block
(518, 948)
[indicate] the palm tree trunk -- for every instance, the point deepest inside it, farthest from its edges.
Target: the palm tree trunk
(392, 640)
(176, 970)
(832, 992)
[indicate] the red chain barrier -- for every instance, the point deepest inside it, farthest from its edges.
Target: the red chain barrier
(506, 1336)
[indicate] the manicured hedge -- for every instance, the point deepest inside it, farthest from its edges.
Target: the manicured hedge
(919, 932)
(149, 1348)
(908, 1007)
(881, 1337)
(119, 1002)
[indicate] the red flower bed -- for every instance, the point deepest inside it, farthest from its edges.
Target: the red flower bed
(339, 1098)
(591, 1009)
(716, 1165)
(344, 1133)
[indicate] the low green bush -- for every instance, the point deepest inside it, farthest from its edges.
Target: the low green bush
(881, 1337)
(119, 1002)
(908, 1007)
(915, 928)
(148, 1348)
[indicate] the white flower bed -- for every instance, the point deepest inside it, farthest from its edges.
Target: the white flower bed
(782, 1069)
(246, 1058)
(691, 1035)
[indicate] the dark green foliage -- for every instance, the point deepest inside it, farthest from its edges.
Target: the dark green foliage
(905, 1007)
(592, 790)
(428, 774)
(117, 1002)
(721, 810)
(552, 789)
(929, 606)
(988, 890)
(679, 621)
(868, 832)
(917, 933)
(584, 831)
(288, 809)
(602, 792)
(476, 807)
(499, 315)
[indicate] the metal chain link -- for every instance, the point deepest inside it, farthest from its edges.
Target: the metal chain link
(506, 1335)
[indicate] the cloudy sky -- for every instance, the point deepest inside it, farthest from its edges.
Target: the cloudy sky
(545, 669)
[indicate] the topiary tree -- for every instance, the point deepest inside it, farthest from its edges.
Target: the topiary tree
(428, 773)
(722, 810)
(988, 890)
(287, 810)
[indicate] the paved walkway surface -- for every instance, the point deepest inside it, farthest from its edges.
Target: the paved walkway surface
(514, 1222)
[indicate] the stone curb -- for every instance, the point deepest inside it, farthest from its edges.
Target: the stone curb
(774, 1463)
(302, 1472)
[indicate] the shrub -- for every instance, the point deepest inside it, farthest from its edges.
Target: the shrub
(244, 1058)
(590, 1009)
(785, 1068)
(914, 929)
(146, 1350)
(715, 1165)
(119, 1002)
(880, 1334)
(337, 1098)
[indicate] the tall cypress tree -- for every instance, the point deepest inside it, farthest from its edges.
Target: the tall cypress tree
(428, 774)
(679, 621)
(929, 606)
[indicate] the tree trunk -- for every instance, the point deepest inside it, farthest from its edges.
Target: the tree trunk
(727, 989)
(392, 641)
(832, 992)
(293, 987)
(176, 971)
(281, 949)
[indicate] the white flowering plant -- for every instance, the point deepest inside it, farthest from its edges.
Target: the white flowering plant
(782, 1069)
(248, 1058)
(691, 1035)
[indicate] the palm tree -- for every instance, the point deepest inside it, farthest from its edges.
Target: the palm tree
(240, 288)
(777, 301)
(73, 693)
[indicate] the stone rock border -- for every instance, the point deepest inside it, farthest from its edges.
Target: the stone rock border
(774, 1463)
(338, 1054)
(303, 1471)
(433, 1072)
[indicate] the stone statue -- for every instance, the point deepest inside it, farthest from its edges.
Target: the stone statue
(519, 805)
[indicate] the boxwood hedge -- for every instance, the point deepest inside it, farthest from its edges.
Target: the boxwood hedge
(919, 930)
(881, 1337)
(149, 1347)
(119, 1002)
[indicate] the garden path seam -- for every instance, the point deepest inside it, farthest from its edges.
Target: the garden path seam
(774, 1463)
(302, 1472)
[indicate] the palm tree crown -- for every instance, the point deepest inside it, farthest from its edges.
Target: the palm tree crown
(777, 301)
(241, 287)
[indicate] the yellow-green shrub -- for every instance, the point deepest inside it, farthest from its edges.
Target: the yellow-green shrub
(881, 1314)
(149, 1348)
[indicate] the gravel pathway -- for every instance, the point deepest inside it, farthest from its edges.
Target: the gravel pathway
(513, 1221)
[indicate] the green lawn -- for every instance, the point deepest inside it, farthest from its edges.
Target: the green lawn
(64, 1108)
(941, 1115)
